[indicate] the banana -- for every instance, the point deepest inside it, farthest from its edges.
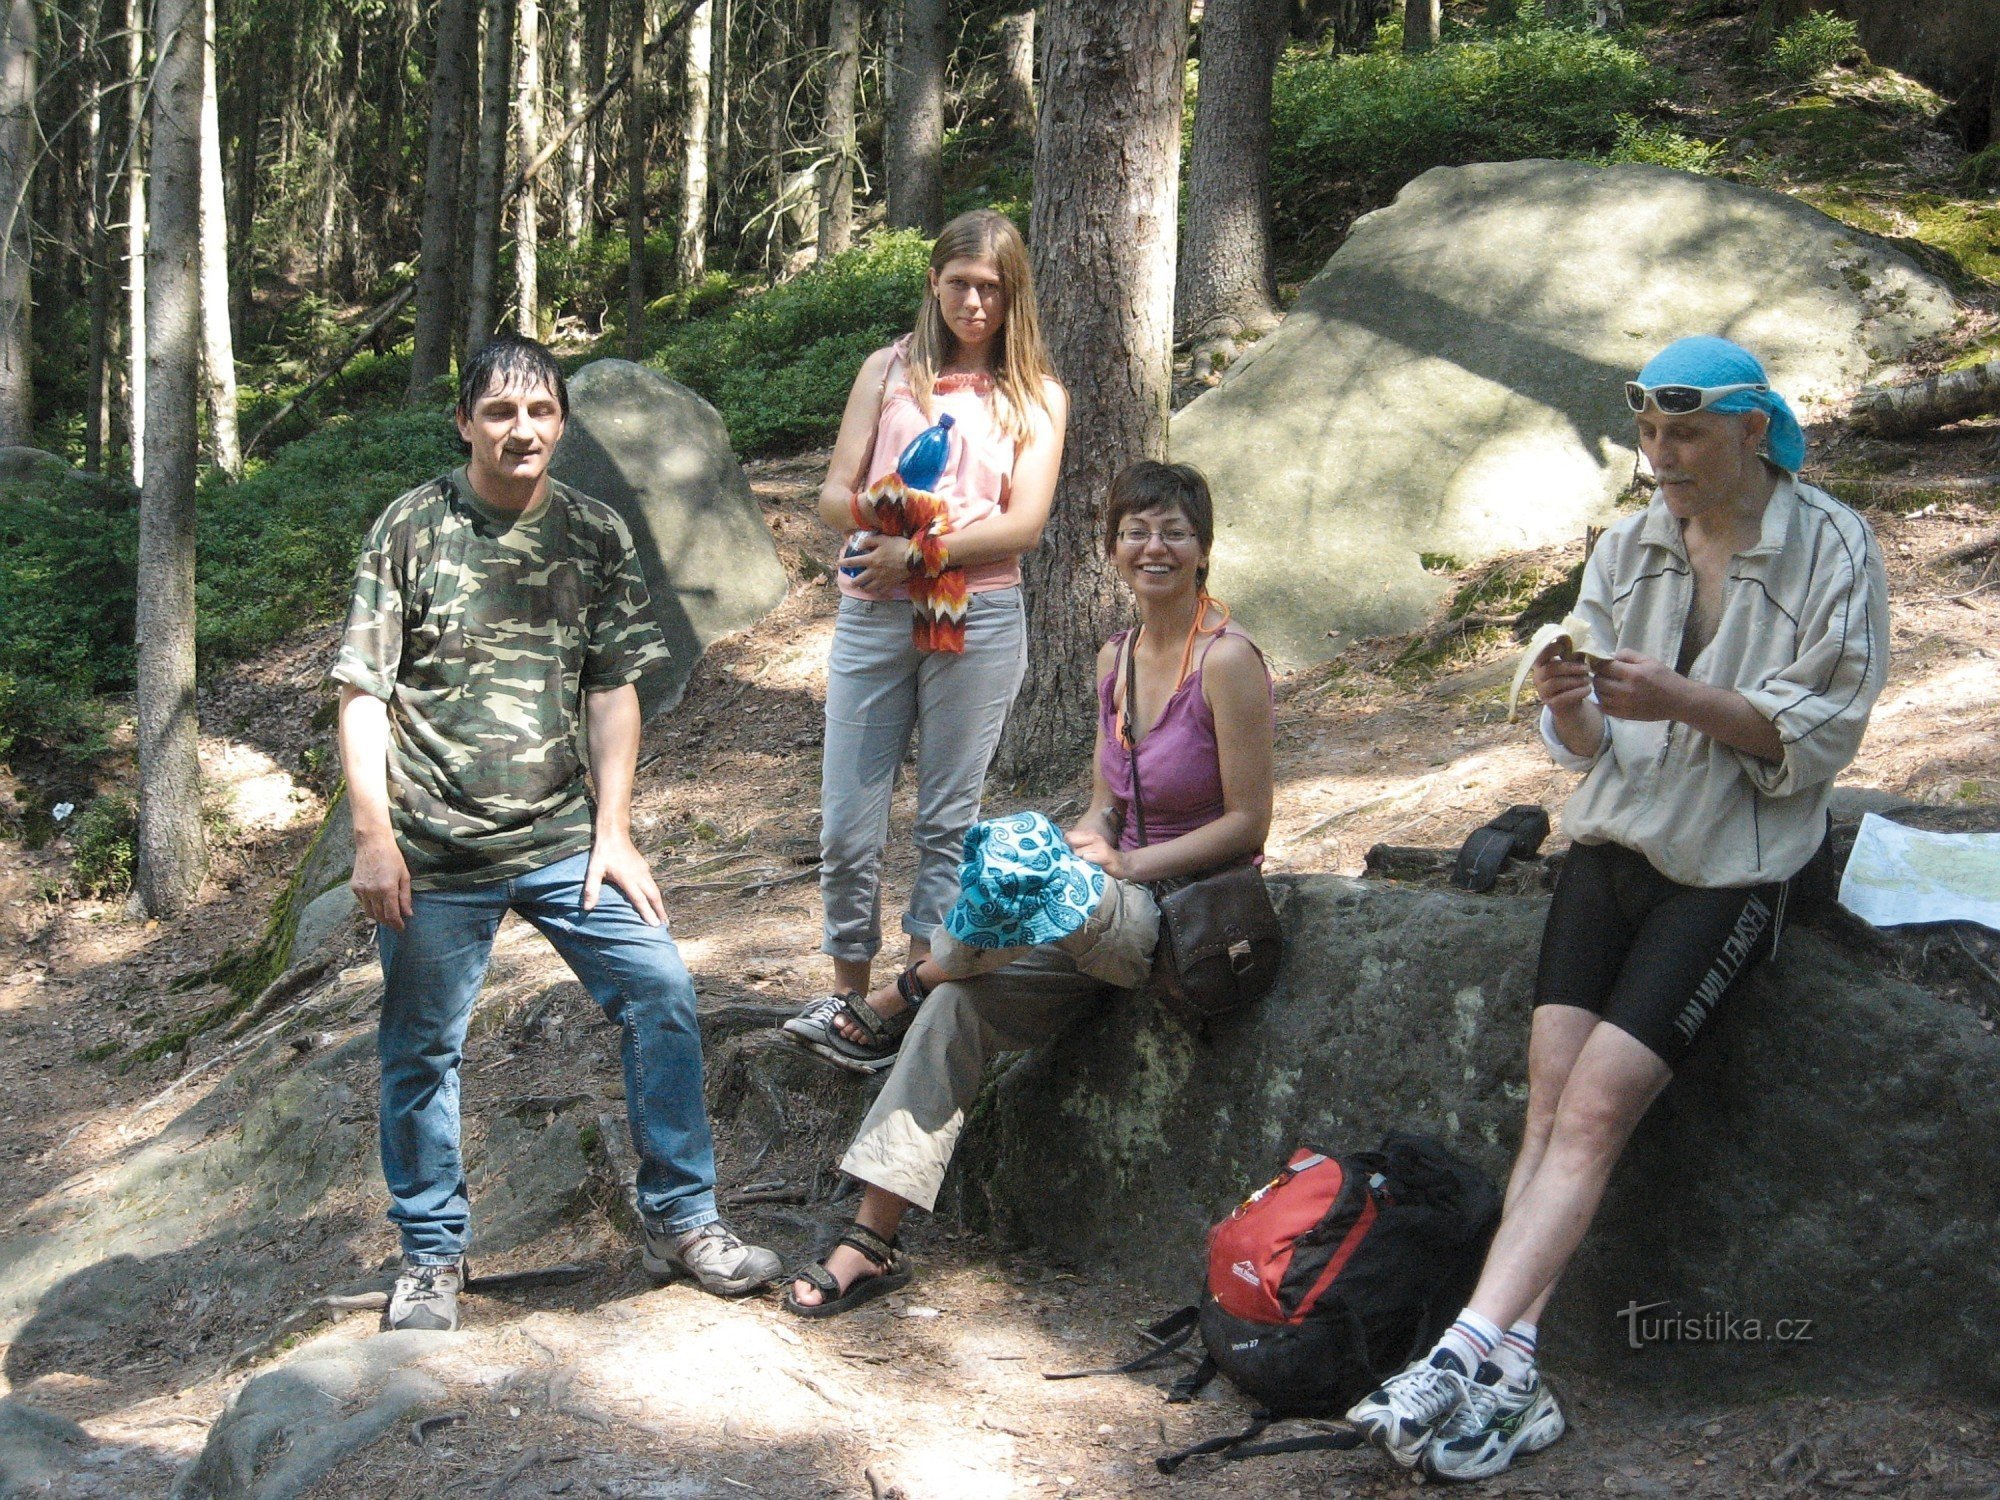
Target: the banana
(1582, 642)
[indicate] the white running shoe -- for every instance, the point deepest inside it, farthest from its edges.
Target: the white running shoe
(1405, 1412)
(1519, 1419)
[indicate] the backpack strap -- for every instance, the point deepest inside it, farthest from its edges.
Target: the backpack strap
(1166, 1336)
(1240, 1445)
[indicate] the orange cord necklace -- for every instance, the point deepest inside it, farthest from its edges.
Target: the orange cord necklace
(1195, 629)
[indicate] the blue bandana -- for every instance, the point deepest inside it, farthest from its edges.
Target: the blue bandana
(1709, 362)
(1021, 885)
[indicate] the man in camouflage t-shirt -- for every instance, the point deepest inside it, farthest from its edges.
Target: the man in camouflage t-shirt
(497, 612)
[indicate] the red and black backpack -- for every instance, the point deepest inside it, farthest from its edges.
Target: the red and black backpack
(1330, 1278)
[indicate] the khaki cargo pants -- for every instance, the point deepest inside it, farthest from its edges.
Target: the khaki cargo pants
(906, 1142)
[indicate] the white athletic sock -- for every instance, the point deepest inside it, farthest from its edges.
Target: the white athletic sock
(1515, 1353)
(1469, 1342)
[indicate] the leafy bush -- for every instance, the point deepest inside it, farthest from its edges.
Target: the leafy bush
(1661, 146)
(103, 841)
(779, 365)
(1981, 171)
(1813, 43)
(1374, 120)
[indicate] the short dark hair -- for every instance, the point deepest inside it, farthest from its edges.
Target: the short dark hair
(1152, 485)
(506, 358)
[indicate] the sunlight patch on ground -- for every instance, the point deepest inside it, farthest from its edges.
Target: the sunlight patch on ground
(799, 665)
(260, 794)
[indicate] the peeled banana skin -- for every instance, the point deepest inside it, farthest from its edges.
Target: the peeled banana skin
(1582, 640)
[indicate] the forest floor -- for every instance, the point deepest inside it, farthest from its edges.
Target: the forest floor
(613, 1387)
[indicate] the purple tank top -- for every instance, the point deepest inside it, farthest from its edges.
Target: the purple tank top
(1179, 766)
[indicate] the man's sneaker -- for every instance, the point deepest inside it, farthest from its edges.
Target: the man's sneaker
(1401, 1416)
(714, 1257)
(426, 1296)
(1477, 1443)
(817, 1030)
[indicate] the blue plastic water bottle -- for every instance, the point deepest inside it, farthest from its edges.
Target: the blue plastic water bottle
(853, 549)
(923, 462)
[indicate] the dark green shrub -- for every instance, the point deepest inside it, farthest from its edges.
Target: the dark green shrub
(102, 841)
(1813, 43)
(1364, 124)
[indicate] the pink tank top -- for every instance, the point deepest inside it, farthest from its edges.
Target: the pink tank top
(976, 483)
(1180, 768)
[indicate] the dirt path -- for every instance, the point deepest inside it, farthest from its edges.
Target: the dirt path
(614, 1387)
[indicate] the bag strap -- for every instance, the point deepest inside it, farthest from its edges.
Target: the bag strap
(1240, 1445)
(1516, 834)
(1167, 1336)
(1132, 726)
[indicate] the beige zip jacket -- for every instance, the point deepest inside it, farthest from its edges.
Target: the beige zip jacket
(1804, 635)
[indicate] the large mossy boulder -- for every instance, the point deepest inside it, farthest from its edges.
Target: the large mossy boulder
(1451, 384)
(660, 455)
(1831, 1152)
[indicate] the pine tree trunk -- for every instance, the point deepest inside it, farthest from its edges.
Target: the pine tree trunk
(430, 354)
(97, 376)
(1421, 20)
(914, 148)
(528, 207)
(218, 348)
(836, 177)
(247, 72)
(691, 236)
(17, 170)
(1107, 160)
(493, 99)
(1017, 71)
(170, 855)
(596, 46)
(574, 189)
(1225, 283)
(135, 237)
(636, 127)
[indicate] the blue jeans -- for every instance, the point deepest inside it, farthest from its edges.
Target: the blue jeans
(431, 973)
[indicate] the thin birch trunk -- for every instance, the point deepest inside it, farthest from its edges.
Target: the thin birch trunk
(218, 347)
(528, 207)
(691, 236)
(574, 96)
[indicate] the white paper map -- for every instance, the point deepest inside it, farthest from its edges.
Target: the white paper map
(1898, 875)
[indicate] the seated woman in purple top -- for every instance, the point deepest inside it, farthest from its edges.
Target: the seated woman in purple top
(1200, 726)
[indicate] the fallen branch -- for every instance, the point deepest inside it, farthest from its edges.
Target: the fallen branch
(504, 1485)
(1966, 552)
(373, 326)
(1903, 410)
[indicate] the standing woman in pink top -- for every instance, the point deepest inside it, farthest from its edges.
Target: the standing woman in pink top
(975, 356)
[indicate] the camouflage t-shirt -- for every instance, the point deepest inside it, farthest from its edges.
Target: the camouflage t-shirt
(482, 630)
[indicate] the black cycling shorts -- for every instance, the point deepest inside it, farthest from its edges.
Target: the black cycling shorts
(1652, 957)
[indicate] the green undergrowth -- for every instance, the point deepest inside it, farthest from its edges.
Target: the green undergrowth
(1494, 601)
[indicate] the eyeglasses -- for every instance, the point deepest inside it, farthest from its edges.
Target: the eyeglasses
(1138, 536)
(1683, 400)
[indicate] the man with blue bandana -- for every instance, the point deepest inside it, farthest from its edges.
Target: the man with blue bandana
(1745, 617)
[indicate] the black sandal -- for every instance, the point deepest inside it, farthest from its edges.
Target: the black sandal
(893, 1277)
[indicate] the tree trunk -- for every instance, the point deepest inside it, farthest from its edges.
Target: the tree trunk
(135, 236)
(97, 388)
(218, 348)
(1421, 20)
(635, 191)
(1107, 161)
(836, 177)
(247, 72)
(171, 858)
(914, 148)
(596, 47)
(430, 353)
(1350, 24)
(1225, 283)
(691, 236)
(528, 207)
(574, 95)
(17, 170)
(493, 98)
(1904, 410)
(1017, 71)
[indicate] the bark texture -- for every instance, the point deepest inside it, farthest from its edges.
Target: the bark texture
(135, 236)
(493, 100)
(170, 853)
(635, 190)
(1901, 410)
(528, 207)
(1106, 186)
(1017, 71)
(1421, 19)
(430, 358)
(691, 236)
(218, 348)
(913, 150)
(836, 176)
(1225, 283)
(17, 169)
(574, 94)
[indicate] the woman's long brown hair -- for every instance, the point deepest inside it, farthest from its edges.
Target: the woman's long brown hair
(1023, 365)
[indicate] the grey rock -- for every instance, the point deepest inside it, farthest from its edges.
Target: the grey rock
(30, 464)
(1451, 382)
(324, 920)
(1848, 803)
(36, 1448)
(660, 455)
(287, 1428)
(1830, 1151)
